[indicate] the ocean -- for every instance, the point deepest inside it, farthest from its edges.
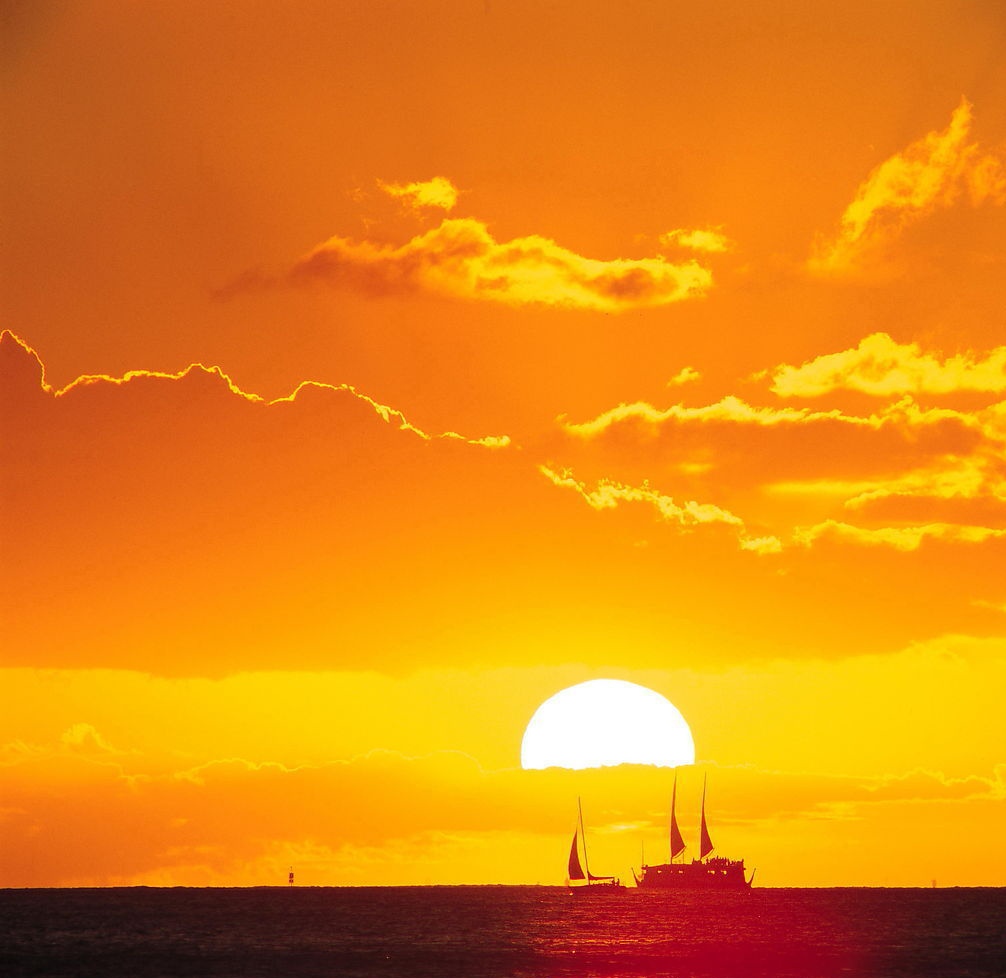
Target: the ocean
(489, 931)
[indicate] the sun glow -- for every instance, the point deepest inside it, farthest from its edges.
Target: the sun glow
(604, 722)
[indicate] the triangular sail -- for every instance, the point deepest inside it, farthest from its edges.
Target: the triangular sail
(575, 869)
(677, 842)
(705, 843)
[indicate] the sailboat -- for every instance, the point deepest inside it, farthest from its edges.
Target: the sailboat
(579, 878)
(717, 873)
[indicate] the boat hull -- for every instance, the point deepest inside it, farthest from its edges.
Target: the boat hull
(597, 889)
(713, 874)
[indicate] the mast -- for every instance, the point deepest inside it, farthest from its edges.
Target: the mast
(677, 842)
(674, 798)
(583, 838)
(705, 843)
(574, 869)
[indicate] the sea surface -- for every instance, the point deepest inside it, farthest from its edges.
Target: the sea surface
(488, 931)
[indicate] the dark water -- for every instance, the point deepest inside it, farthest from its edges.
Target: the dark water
(481, 932)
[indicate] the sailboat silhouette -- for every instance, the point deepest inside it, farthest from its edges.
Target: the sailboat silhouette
(717, 873)
(579, 877)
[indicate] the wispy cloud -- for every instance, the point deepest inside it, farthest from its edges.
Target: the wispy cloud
(905, 415)
(762, 545)
(709, 240)
(438, 192)
(392, 415)
(930, 174)
(729, 409)
(461, 258)
(990, 605)
(608, 494)
(968, 477)
(83, 737)
(904, 538)
(928, 472)
(686, 375)
(10, 341)
(882, 367)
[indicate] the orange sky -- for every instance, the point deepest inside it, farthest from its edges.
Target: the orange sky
(371, 371)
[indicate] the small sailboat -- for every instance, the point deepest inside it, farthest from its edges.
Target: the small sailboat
(579, 877)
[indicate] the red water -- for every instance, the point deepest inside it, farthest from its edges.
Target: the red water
(482, 932)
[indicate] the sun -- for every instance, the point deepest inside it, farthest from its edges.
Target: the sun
(605, 722)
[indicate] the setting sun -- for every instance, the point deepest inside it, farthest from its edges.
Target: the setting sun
(605, 722)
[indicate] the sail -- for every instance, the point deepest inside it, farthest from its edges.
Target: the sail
(575, 869)
(705, 843)
(677, 843)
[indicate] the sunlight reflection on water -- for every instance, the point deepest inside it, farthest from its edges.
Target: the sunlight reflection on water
(490, 931)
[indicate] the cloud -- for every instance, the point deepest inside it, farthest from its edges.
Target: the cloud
(83, 737)
(903, 538)
(686, 375)
(239, 809)
(460, 258)
(438, 192)
(882, 367)
(176, 524)
(900, 442)
(708, 240)
(242, 822)
(10, 344)
(931, 174)
(940, 502)
(999, 606)
(931, 473)
(974, 479)
(390, 415)
(172, 522)
(730, 409)
(762, 545)
(608, 495)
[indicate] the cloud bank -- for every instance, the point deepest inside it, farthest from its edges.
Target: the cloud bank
(75, 819)
(899, 477)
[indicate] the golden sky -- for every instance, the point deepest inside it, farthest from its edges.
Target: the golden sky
(372, 371)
